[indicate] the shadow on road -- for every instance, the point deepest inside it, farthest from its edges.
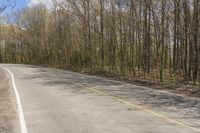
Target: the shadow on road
(188, 107)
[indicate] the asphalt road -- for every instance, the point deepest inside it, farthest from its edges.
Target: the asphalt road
(57, 101)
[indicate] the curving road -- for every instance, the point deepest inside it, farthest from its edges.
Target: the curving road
(57, 101)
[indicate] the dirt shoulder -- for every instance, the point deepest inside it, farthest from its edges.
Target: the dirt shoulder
(8, 109)
(190, 90)
(185, 89)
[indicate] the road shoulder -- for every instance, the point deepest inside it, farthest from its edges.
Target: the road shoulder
(8, 108)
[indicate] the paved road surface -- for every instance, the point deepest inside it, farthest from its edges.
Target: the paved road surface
(57, 101)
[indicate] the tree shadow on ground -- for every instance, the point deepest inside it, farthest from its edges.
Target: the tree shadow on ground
(187, 107)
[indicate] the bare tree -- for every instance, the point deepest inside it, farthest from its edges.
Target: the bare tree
(150, 39)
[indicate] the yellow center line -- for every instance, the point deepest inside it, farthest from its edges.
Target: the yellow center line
(183, 124)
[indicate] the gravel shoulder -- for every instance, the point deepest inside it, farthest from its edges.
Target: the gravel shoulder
(8, 109)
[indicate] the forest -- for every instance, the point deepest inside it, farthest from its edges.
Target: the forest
(146, 39)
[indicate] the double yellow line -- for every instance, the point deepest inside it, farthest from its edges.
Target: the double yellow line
(183, 124)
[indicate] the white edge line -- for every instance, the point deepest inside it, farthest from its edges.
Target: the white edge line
(19, 105)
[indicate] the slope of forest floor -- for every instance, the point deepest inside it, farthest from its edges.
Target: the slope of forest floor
(187, 89)
(177, 88)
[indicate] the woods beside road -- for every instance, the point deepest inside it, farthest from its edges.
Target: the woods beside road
(152, 43)
(155, 40)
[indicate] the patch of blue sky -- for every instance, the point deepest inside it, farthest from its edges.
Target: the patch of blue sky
(19, 4)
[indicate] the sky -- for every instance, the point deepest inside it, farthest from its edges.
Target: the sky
(23, 3)
(19, 5)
